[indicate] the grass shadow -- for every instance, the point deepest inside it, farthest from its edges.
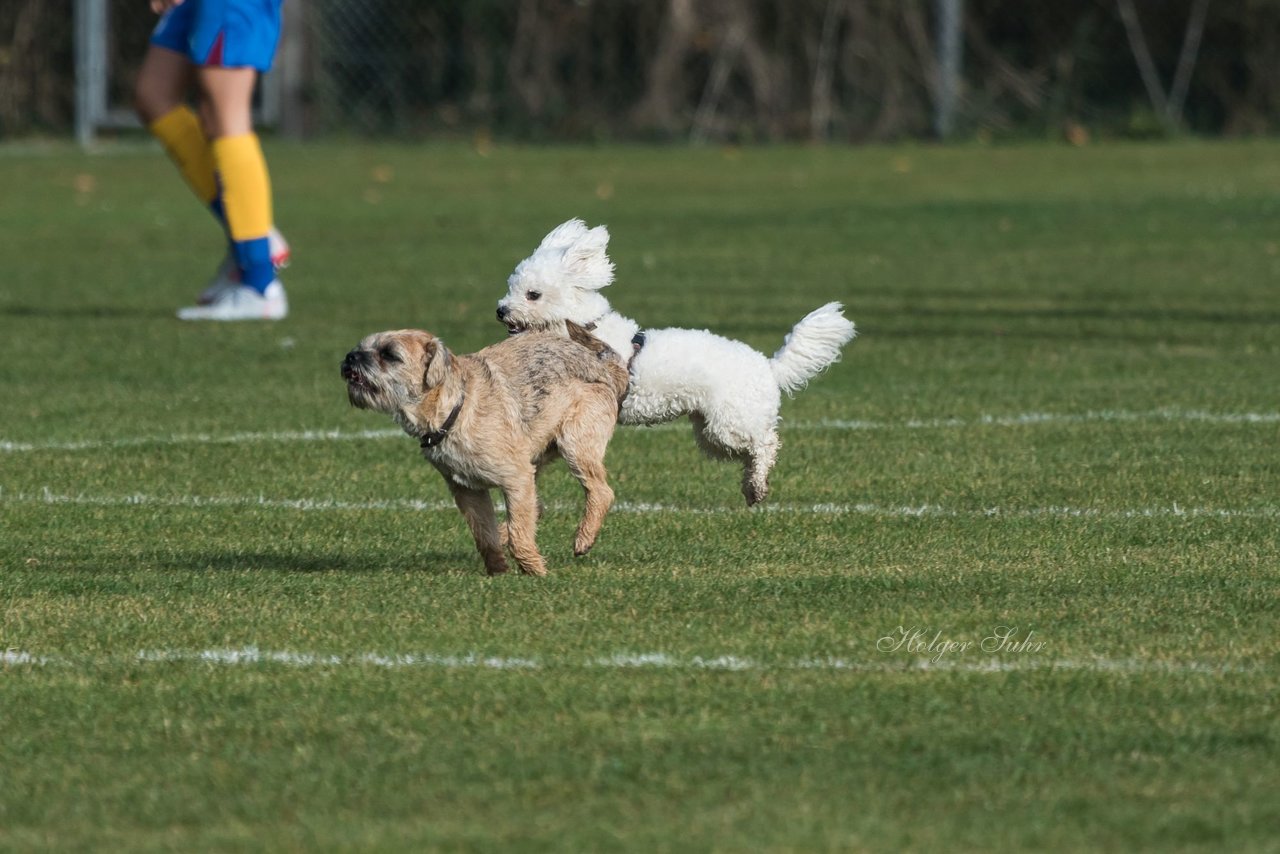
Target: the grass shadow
(1149, 315)
(303, 563)
(82, 312)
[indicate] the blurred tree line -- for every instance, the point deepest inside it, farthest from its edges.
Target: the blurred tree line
(741, 70)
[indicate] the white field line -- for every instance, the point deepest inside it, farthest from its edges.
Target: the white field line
(409, 505)
(200, 439)
(630, 661)
(1034, 419)
(47, 496)
(1024, 419)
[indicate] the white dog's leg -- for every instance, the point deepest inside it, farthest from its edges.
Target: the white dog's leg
(711, 444)
(757, 454)
(755, 473)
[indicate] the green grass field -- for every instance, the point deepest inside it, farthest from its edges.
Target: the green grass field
(234, 623)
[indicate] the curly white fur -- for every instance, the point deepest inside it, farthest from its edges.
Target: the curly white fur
(730, 392)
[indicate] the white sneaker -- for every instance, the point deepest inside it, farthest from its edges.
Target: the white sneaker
(227, 276)
(242, 303)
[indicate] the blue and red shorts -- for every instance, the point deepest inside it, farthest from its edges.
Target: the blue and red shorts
(222, 33)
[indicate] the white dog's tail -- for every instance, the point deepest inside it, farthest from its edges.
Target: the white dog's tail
(812, 346)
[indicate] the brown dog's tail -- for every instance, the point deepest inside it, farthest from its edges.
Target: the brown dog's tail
(615, 368)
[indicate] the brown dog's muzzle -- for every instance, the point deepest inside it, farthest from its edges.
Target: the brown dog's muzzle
(353, 367)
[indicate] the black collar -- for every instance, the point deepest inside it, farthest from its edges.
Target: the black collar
(434, 437)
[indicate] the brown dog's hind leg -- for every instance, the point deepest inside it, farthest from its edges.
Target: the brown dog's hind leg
(582, 445)
(477, 509)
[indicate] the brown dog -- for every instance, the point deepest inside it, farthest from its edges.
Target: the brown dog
(494, 418)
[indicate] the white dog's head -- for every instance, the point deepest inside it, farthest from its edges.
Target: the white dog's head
(560, 281)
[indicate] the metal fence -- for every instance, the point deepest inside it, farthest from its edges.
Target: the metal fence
(737, 70)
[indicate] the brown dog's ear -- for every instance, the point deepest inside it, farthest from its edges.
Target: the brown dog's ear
(580, 335)
(438, 359)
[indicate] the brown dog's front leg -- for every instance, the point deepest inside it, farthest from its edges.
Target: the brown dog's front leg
(477, 509)
(522, 524)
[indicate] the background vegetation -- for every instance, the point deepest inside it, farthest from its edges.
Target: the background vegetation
(746, 70)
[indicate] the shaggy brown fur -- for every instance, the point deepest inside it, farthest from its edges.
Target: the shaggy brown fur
(494, 418)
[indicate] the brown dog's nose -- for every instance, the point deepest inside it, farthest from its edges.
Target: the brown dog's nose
(503, 311)
(350, 362)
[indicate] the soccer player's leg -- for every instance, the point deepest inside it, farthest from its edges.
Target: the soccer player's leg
(164, 79)
(158, 100)
(231, 49)
(246, 199)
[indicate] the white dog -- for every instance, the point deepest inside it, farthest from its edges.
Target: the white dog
(730, 392)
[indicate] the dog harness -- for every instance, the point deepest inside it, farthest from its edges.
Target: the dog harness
(434, 437)
(637, 343)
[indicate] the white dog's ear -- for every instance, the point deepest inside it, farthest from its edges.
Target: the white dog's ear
(586, 260)
(564, 234)
(438, 360)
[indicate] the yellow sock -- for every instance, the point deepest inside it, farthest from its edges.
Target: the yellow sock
(246, 188)
(180, 133)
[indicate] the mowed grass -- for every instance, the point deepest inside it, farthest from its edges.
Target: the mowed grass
(224, 632)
